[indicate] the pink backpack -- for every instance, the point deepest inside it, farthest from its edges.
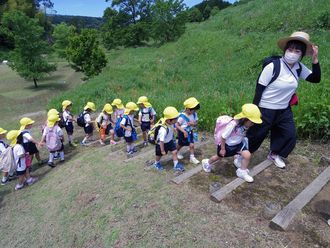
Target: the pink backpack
(53, 142)
(220, 127)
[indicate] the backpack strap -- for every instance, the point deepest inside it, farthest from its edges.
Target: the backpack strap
(276, 70)
(4, 143)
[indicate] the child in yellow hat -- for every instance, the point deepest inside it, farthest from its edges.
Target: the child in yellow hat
(16, 138)
(3, 147)
(119, 108)
(104, 121)
(29, 143)
(146, 117)
(186, 123)
(233, 141)
(88, 109)
(68, 119)
(127, 123)
(52, 126)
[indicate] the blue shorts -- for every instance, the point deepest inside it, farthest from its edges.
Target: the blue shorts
(69, 128)
(232, 150)
(88, 129)
(145, 126)
(129, 139)
(184, 141)
(109, 127)
(170, 146)
(30, 147)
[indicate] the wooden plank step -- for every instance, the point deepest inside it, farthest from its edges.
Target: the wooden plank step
(124, 149)
(221, 193)
(169, 158)
(187, 174)
(140, 155)
(282, 220)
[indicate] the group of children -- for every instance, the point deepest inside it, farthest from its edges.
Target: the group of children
(173, 126)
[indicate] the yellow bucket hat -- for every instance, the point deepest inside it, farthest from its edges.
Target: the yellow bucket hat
(171, 113)
(24, 122)
(66, 103)
(12, 136)
(107, 108)
(90, 105)
(2, 131)
(52, 119)
(191, 103)
(251, 112)
(117, 103)
(144, 100)
(130, 106)
(52, 112)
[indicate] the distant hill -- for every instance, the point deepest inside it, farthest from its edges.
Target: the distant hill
(89, 22)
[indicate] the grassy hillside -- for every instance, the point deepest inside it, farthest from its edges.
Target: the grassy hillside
(218, 61)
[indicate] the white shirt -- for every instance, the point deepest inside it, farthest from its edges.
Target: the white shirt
(27, 136)
(67, 114)
(103, 118)
(87, 117)
(144, 112)
(163, 135)
(235, 139)
(184, 124)
(58, 130)
(19, 150)
(278, 94)
(130, 122)
(2, 147)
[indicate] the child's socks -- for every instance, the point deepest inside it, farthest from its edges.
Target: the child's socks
(62, 155)
(51, 157)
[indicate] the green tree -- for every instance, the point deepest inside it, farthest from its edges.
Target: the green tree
(214, 11)
(207, 12)
(169, 19)
(195, 15)
(26, 57)
(74, 22)
(61, 33)
(82, 23)
(85, 54)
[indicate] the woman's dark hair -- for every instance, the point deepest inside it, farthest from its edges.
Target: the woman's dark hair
(297, 45)
(20, 138)
(196, 108)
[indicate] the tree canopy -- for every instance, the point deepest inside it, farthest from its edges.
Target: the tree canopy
(61, 33)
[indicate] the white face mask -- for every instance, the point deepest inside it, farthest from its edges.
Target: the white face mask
(291, 58)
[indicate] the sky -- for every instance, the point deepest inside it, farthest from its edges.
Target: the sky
(95, 8)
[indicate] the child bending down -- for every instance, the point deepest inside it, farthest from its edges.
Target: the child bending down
(165, 141)
(233, 140)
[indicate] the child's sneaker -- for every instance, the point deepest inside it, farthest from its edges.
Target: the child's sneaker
(51, 164)
(244, 174)
(205, 164)
(62, 160)
(13, 176)
(84, 143)
(102, 143)
(145, 143)
(5, 182)
(158, 166)
(180, 156)
(134, 151)
(41, 162)
(129, 152)
(238, 160)
(17, 188)
(178, 167)
(57, 156)
(276, 159)
(194, 160)
(73, 144)
(33, 181)
(113, 142)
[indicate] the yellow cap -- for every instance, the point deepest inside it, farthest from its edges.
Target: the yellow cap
(171, 113)
(66, 103)
(144, 100)
(52, 119)
(90, 105)
(12, 136)
(107, 108)
(52, 112)
(191, 103)
(24, 122)
(251, 112)
(117, 103)
(130, 106)
(2, 131)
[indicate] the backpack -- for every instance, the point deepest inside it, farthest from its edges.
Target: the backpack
(53, 142)
(220, 127)
(61, 122)
(81, 119)
(153, 133)
(149, 113)
(7, 161)
(193, 129)
(277, 67)
(119, 131)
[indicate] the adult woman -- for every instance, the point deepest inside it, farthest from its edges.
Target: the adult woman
(273, 99)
